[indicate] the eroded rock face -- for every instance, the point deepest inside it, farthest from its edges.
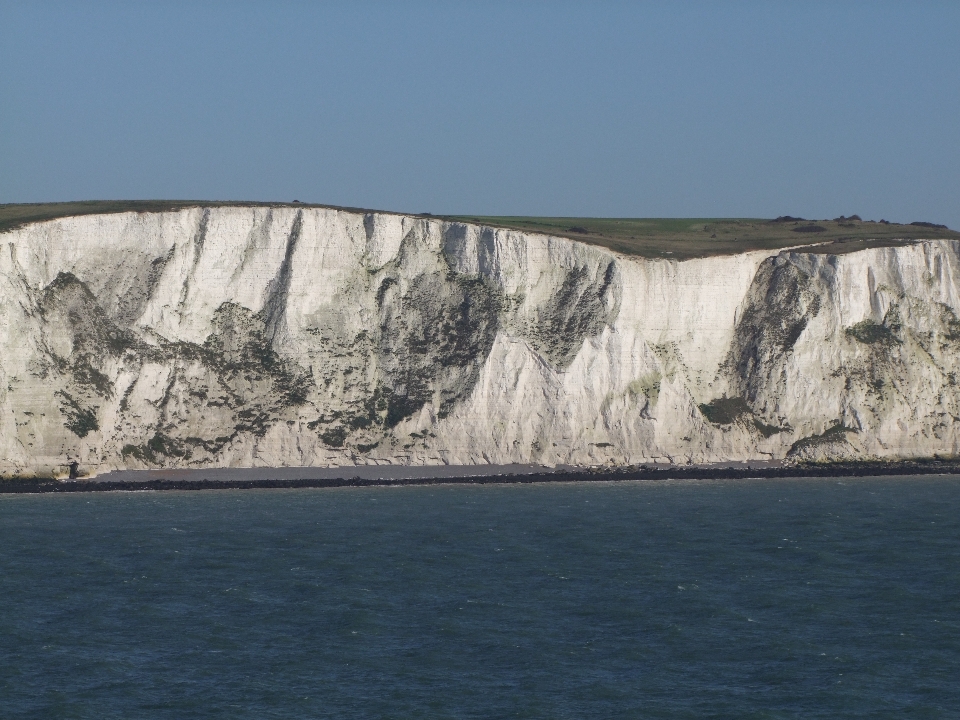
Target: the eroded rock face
(267, 336)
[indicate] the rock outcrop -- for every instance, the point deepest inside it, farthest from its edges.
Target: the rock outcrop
(284, 336)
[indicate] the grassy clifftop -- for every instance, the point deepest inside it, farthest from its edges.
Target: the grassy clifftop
(14, 215)
(678, 238)
(684, 238)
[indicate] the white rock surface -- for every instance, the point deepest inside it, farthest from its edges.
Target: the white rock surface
(259, 336)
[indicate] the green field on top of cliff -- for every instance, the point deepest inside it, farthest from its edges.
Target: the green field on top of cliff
(677, 238)
(684, 238)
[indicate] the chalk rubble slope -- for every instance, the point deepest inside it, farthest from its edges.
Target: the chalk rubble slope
(266, 336)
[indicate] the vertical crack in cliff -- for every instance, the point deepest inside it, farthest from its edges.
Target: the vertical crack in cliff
(259, 237)
(369, 225)
(275, 306)
(199, 238)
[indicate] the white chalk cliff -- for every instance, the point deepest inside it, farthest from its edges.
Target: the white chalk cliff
(284, 336)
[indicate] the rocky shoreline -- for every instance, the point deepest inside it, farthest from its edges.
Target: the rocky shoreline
(200, 480)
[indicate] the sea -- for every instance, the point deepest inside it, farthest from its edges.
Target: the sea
(813, 598)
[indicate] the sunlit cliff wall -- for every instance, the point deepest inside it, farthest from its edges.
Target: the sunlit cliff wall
(259, 336)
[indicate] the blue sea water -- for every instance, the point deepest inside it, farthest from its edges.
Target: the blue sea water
(732, 599)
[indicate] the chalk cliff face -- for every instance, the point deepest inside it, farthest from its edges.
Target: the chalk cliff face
(262, 336)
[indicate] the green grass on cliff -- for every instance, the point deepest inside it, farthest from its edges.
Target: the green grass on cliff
(684, 238)
(679, 238)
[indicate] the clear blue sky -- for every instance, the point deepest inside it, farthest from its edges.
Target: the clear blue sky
(602, 109)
